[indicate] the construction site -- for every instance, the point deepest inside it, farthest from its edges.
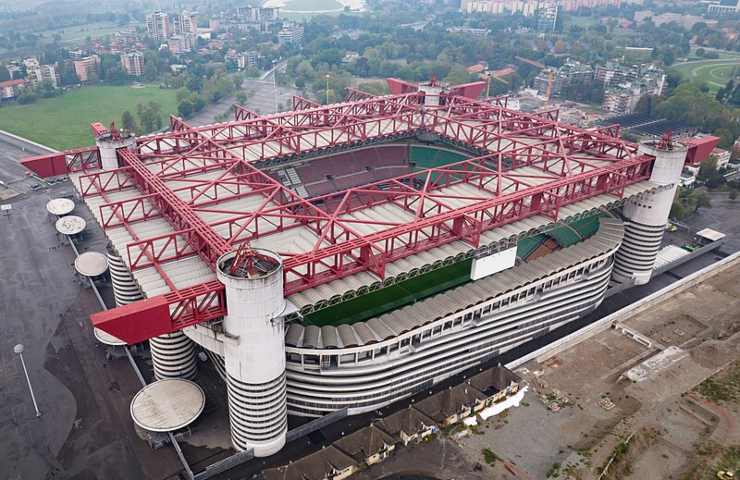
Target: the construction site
(275, 277)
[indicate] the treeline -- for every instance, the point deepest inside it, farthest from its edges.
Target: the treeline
(697, 108)
(199, 92)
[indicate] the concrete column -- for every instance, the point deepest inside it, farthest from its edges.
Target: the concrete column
(107, 147)
(646, 216)
(125, 288)
(254, 353)
(173, 355)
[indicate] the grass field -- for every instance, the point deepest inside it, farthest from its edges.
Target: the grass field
(81, 32)
(64, 122)
(714, 73)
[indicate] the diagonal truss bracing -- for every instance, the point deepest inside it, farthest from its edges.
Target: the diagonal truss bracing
(527, 164)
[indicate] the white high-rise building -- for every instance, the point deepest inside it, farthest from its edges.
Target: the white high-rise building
(158, 25)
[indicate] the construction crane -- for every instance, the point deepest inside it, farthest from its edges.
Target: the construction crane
(550, 81)
(528, 61)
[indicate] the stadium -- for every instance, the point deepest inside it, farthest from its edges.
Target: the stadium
(346, 256)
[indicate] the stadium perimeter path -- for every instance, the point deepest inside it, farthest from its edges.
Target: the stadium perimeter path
(85, 431)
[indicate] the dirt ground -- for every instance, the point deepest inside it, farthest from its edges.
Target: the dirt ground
(581, 413)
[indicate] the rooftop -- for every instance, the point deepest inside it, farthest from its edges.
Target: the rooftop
(186, 197)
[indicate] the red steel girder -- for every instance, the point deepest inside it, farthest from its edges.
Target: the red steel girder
(207, 243)
(570, 160)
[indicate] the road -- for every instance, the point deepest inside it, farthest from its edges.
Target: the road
(262, 96)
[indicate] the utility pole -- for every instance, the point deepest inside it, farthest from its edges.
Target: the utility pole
(327, 88)
(274, 84)
(19, 350)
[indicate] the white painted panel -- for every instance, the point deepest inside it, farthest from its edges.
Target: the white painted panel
(483, 267)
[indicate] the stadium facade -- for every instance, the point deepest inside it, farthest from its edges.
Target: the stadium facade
(394, 241)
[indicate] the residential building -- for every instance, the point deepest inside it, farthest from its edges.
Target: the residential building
(86, 68)
(530, 7)
(547, 16)
(158, 25)
(180, 44)
(329, 463)
(369, 445)
(723, 157)
(291, 33)
(621, 99)
(15, 71)
(452, 405)
(408, 426)
(254, 14)
(10, 89)
(133, 63)
(718, 10)
(247, 59)
(187, 24)
(38, 73)
(613, 73)
(551, 82)
(626, 85)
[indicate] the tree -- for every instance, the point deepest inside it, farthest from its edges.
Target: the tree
(457, 75)
(185, 108)
(128, 122)
(150, 71)
(241, 98)
(150, 116)
(699, 199)
(709, 174)
(46, 89)
(4, 73)
(67, 74)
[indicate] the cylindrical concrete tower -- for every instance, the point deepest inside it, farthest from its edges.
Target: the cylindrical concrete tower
(173, 354)
(125, 288)
(646, 215)
(254, 350)
(108, 144)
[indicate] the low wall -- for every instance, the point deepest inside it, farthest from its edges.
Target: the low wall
(26, 144)
(625, 313)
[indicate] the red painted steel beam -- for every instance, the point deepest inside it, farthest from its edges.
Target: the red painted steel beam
(300, 103)
(207, 243)
(151, 317)
(348, 253)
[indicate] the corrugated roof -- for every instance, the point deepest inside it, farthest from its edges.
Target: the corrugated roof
(608, 237)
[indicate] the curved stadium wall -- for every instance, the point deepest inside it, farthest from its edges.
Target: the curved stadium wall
(538, 297)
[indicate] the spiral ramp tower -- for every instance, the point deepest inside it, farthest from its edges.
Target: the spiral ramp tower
(173, 354)
(125, 288)
(646, 215)
(254, 353)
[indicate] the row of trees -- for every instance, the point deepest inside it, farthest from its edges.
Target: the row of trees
(688, 103)
(199, 92)
(149, 118)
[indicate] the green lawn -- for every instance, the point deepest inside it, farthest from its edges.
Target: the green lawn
(64, 122)
(386, 299)
(79, 33)
(714, 73)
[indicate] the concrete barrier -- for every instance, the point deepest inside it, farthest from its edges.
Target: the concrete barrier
(627, 312)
